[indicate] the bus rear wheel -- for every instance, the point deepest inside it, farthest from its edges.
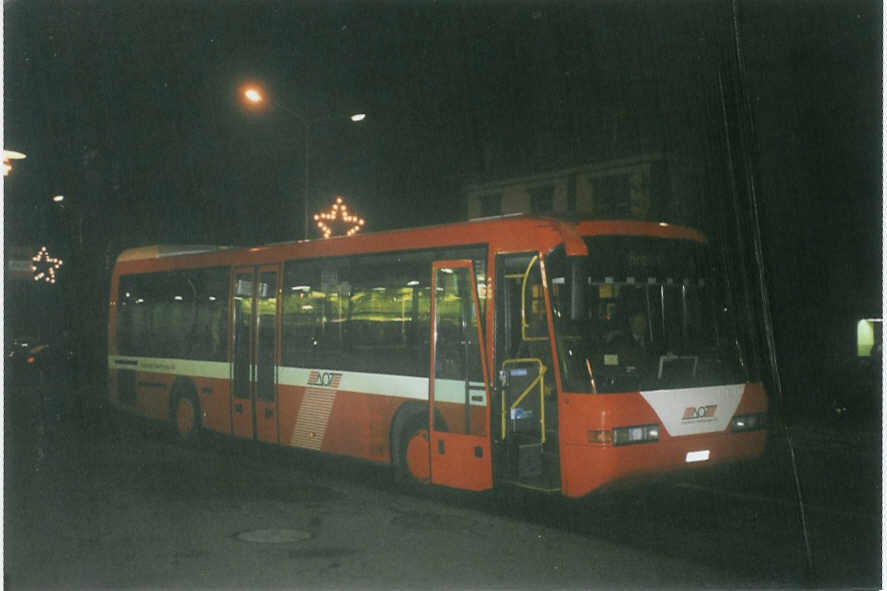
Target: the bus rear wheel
(187, 418)
(415, 459)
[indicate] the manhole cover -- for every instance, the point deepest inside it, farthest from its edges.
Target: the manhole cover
(273, 536)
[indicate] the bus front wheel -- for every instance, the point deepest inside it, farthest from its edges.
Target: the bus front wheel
(415, 462)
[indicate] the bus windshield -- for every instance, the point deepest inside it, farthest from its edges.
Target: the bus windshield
(640, 313)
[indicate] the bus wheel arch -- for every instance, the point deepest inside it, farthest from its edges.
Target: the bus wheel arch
(410, 442)
(184, 409)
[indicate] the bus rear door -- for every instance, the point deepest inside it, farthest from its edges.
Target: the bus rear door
(458, 390)
(255, 353)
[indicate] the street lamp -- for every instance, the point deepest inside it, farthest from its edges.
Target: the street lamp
(255, 96)
(10, 155)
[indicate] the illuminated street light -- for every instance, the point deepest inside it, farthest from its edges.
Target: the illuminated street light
(10, 155)
(256, 96)
(253, 95)
(58, 198)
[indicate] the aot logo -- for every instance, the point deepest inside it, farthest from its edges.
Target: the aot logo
(327, 379)
(693, 413)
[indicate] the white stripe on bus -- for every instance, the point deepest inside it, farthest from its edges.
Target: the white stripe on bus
(179, 367)
(415, 388)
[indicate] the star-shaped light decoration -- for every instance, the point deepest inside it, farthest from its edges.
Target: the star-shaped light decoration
(338, 213)
(44, 267)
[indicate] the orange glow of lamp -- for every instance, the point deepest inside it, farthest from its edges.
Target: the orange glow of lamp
(253, 95)
(10, 155)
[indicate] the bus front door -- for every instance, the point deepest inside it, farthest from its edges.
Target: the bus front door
(255, 353)
(458, 390)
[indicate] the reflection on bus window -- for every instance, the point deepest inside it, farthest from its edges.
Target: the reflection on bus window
(176, 315)
(366, 314)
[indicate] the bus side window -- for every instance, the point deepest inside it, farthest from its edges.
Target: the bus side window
(369, 313)
(303, 314)
(181, 315)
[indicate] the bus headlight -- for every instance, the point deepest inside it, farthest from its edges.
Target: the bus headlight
(635, 434)
(749, 422)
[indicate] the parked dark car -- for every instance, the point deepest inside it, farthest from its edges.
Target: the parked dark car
(29, 361)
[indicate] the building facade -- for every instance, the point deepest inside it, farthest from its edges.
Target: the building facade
(647, 187)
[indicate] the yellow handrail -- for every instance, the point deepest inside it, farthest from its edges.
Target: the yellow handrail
(526, 392)
(523, 305)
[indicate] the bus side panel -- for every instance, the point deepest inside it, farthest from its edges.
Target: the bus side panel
(360, 425)
(152, 394)
(289, 402)
(453, 417)
(337, 421)
(215, 403)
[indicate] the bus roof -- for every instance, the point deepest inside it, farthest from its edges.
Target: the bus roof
(158, 251)
(508, 231)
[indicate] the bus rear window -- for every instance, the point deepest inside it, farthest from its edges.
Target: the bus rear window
(174, 315)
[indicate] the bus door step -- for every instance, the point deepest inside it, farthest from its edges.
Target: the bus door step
(529, 460)
(534, 468)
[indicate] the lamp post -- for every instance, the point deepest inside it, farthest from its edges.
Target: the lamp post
(255, 96)
(76, 223)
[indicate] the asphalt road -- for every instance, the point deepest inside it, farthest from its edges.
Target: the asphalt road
(90, 506)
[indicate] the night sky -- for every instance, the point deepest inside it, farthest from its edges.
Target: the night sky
(131, 110)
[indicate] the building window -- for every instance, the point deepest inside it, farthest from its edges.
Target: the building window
(542, 199)
(491, 204)
(611, 196)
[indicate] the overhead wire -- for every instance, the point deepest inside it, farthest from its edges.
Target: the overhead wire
(746, 138)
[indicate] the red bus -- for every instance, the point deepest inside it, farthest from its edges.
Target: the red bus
(555, 355)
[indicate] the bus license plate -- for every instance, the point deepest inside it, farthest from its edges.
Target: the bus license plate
(698, 456)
